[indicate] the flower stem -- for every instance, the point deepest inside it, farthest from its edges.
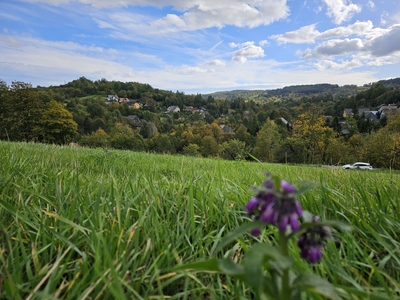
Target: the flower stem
(285, 288)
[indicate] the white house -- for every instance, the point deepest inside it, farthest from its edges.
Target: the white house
(173, 109)
(111, 98)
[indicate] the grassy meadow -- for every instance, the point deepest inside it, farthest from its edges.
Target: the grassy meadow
(80, 223)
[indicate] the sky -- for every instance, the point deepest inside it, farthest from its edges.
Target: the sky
(200, 46)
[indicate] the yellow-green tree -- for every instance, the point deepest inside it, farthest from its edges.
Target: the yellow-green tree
(99, 138)
(122, 136)
(209, 146)
(382, 148)
(57, 123)
(233, 149)
(268, 141)
(310, 138)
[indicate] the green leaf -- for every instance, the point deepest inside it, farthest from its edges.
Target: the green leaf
(260, 254)
(363, 294)
(304, 187)
(225, 266)
(261, 258)
(229, 267)
(210, 265)
(238, 232)
(317, 285)
(336, 224)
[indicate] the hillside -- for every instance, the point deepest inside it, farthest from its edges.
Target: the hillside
(290, 91)
(308, 90)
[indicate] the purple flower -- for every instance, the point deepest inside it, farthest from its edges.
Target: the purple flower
(255, 232)
(276, 207)
(253, 204)
(312, 241)
(286, 187)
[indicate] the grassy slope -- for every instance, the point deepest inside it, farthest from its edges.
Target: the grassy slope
(83, 223)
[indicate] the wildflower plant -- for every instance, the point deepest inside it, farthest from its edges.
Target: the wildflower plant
(270, 270)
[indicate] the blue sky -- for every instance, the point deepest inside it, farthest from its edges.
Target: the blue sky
(200, 46)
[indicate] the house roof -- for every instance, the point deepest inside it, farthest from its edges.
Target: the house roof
(348, 111)
(284, 121)
(227, 130)
(133, 117)
(173, 107)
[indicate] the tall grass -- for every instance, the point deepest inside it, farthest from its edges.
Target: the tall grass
(88, 224)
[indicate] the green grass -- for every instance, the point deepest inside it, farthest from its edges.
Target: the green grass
(83, 223)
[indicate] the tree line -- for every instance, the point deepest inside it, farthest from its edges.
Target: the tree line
(77, 112)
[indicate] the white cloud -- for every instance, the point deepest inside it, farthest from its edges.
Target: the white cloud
(370, 4)
(358, 28)
(386, 44)
(246, 50)
(215, 62)
(190, 70)
(384, 16)
(378, 43)
(199, 14)
(334, 48)
(304, 35)
(324, 64)
(341, 10)
(309, 34)
(209, 13)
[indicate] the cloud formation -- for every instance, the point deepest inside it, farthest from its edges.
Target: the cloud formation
(309, 34)
(200, 14)
(246, 50)
(378, 42)
(341, 10)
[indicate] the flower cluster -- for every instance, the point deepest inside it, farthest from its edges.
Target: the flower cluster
(312, 241)
(275, 204)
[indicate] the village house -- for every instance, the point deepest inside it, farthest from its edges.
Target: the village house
(372, 115)
(112, 98)
(173, 109)
(124, 100)
(225, 129)
(387, 109)
(135, 120)
(348, 112)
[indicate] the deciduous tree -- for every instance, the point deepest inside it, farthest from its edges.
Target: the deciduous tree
(22, 112)
(268, 141)
(310, 138)
(58, 125)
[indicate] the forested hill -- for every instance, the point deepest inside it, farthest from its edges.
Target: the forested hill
(134, 90)
(307, 90)
(389, 83)
(291, 91)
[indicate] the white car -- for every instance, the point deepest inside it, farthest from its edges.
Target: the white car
(358, 165)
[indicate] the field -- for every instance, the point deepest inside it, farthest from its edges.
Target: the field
(81, 223)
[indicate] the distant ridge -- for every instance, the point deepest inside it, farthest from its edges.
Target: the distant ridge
(302, 90)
